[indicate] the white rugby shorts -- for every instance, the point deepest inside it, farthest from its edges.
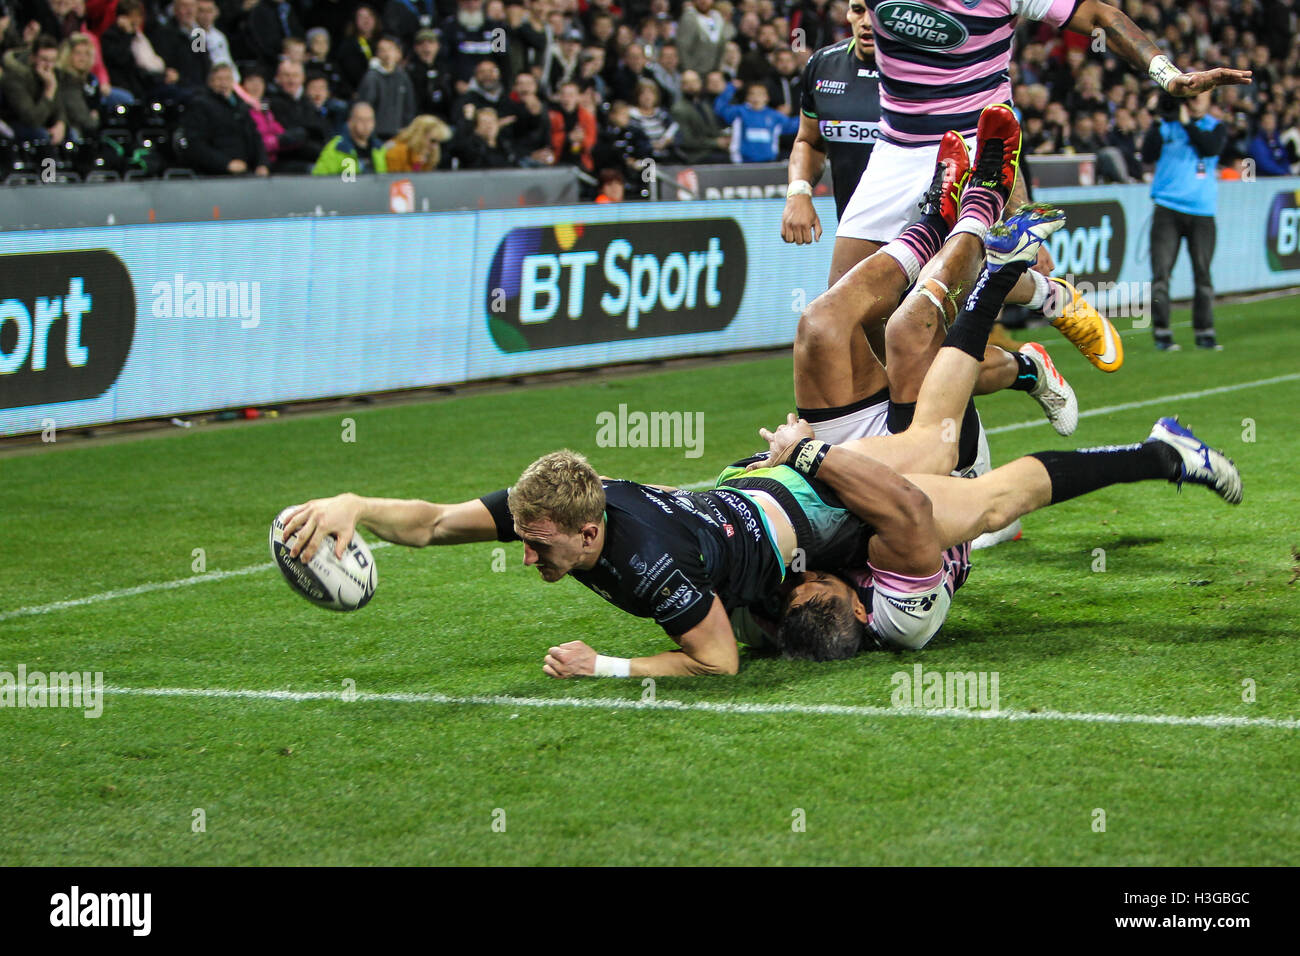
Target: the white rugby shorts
(888, 196)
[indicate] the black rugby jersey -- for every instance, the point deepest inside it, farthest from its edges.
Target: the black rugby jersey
(842, 93)
(667, 554)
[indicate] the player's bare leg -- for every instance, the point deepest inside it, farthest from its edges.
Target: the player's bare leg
(833, 363)
(930, 443)
(958, 215)
(834, 368)
(964, 508)
(941, 379)
(829, 361)
(846, 254)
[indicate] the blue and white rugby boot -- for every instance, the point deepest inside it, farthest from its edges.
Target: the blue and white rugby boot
(1017, 238)
(1201, 464)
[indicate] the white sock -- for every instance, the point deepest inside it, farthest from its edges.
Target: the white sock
(971, 225)
(1053, 307)
(905, 257)
(1040, 290)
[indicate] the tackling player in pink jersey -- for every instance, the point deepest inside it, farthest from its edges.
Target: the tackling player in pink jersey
(941, 62)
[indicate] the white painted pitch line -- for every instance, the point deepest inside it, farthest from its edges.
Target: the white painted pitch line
(149, 587)
(676, 706)
(1147, 402)
(691, 486)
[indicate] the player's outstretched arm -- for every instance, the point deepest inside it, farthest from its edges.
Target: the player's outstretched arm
(414, 523)
(709, 648)
(1128, 41)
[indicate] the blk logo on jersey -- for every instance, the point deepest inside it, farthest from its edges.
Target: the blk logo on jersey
(849, 131)
(920, 26)
(913, 606)
(676, 595)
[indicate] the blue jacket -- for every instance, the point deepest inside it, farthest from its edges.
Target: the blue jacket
(1187, 164)
(1270, 155)
(755, 134)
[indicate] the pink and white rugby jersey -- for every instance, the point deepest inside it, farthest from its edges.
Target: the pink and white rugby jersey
(942, 61)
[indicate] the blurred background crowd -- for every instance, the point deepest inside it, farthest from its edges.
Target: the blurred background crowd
(96, 89)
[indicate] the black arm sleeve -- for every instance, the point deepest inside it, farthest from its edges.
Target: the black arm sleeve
(1152, 143)
(1207, 142)
(807, 105)
(498, 507)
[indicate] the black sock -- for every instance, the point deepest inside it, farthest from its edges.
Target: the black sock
(970, 331)
(900, 415)
(1026, 373)
(1075, 473)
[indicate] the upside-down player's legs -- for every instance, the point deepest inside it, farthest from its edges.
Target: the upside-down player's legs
(965, 508)
(846, 254)
(930, 443)
(832, 370)
(833, 364)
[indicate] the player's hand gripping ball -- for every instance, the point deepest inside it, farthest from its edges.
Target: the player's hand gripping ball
(340, 584)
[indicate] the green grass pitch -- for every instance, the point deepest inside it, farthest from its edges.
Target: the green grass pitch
(1195, 605)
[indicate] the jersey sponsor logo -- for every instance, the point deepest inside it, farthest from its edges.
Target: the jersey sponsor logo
(914, 606)
(849, 131)
(729, 529)
(654, 500)
(638, 563)
(650, 575)
(869, 74)
(831, 87)
(920, 25)
(675, 596)
(747, 511)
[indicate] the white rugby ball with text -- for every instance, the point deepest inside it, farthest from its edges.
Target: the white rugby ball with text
(340, 584)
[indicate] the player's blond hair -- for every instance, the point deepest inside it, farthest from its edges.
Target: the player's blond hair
(560, 487)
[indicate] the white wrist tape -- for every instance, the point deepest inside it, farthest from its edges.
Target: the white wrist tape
(1162, 71)
(800, 187)
(613, 666)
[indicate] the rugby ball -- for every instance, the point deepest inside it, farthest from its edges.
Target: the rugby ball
(340, 584)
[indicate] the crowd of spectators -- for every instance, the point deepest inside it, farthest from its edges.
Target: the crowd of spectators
(251, 87)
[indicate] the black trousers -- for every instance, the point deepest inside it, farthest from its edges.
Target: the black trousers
(1168, 229)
